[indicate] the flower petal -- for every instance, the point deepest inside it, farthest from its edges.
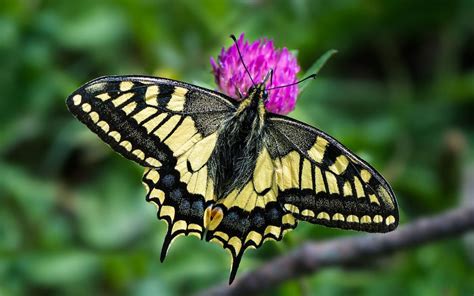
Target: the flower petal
(260, 57)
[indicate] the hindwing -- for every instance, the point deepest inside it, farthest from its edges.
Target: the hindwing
(248, 217)
(182, 210)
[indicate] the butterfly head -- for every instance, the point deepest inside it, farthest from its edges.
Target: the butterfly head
(262, 88)
(256, 97)
(258, 92)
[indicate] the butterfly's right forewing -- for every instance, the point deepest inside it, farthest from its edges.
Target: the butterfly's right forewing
(321, 181)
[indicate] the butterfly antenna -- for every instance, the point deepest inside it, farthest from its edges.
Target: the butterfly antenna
(241, 58)
(313, 76)
(271, 76)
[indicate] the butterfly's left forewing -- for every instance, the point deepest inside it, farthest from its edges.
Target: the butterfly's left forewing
(148, 120)
(321, 181)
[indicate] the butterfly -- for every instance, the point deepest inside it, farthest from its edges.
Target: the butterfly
(229, 171)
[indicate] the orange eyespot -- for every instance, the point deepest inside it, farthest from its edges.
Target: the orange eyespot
(212, 217)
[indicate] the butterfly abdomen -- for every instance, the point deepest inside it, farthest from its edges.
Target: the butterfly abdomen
(233, 160)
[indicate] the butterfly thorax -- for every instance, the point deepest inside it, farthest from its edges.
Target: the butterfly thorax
(240, 140)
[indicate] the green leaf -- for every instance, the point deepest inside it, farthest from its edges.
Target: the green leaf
(316, 67)
(61, 268)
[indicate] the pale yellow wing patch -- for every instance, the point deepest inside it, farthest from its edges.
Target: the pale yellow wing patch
(192, 158)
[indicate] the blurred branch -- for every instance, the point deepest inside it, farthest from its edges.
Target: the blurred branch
(313, 256)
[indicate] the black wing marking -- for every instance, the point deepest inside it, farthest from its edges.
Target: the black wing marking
(136, 114)
(321, 181)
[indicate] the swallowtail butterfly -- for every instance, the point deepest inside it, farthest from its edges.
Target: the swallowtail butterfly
(231, 172)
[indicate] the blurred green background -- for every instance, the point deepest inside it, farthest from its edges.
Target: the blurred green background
(73, 216)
